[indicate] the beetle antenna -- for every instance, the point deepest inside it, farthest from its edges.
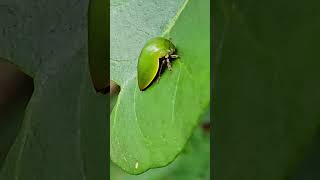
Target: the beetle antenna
(174, 56)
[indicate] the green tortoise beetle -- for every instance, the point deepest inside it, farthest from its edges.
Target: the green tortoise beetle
(156, 52)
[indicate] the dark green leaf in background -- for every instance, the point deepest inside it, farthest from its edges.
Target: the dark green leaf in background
(149, 129)
(63, 134)
(267, 87)
(16, 89)
(98, 26)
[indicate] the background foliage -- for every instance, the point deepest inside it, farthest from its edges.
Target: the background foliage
(266, 114)
(64, 129)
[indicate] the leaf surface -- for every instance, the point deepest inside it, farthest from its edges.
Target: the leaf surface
(150, 128)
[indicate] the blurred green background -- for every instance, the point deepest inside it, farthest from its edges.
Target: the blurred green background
(266, 114)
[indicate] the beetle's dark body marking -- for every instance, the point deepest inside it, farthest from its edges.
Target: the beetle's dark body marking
(162, 61)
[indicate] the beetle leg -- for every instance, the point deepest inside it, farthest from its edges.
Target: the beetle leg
(163, 61)
(169, 64)
(174, 56)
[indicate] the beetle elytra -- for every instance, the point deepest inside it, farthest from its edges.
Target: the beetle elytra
(156, 52)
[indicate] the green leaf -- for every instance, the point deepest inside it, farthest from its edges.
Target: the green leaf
(63, 133)
(267, 87)
(98, 48)
(193, 163)
(13, 102)
(150, 128)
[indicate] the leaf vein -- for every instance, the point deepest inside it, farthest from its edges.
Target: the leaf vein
(175, 18)
(175, 95)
